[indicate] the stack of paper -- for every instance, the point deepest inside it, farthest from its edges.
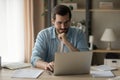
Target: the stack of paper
(27, 73)
(115, 78)
(102, 74)
(104, 68)
(16, 65)
(103, 71)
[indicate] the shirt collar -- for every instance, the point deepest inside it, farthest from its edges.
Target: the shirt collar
(53, 33)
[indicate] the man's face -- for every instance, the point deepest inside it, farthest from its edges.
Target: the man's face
(61, 23)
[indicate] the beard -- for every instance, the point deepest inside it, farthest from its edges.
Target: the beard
(63, 30)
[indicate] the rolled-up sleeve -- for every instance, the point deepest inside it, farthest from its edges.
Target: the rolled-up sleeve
(82, 44)
(39, 51)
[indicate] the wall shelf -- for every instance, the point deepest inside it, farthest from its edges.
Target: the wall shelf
(106, 51)
(79, 10)
(97, 10)
(104, 10)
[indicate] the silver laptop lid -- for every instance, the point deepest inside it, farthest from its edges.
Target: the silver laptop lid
(72, 63)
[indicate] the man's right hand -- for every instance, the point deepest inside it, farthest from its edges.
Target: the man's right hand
(50, 66)
(62, 37)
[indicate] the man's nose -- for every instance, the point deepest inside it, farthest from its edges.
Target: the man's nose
(63, 25)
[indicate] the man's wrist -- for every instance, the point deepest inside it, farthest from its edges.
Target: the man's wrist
(41, 64)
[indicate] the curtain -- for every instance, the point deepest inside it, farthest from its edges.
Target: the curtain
(12, 30)
(29, 30)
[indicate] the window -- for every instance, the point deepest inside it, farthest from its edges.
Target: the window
(12, 30)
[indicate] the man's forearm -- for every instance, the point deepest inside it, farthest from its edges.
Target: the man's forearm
(70, 46)
(41, 64)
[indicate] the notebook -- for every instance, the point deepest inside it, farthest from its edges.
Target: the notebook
(27, 73)
(16, 65)
(104, 68)
(102, 74)
(72, 63)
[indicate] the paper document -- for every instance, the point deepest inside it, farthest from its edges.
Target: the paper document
(102, 74)
(114, 78)
(104, 68)
(27, 73)
(16, 65)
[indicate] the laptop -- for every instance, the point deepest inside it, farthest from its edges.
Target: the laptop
(72, 63)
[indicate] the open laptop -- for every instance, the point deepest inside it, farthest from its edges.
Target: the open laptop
(72, 63)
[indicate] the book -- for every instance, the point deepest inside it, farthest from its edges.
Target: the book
(104, 68)
(17, 65)
(27, 73)
(106, 5)
(102, 74)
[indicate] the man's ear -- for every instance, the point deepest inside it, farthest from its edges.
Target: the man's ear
(53, 21)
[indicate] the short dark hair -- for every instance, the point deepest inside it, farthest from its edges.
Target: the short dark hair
(61, 10)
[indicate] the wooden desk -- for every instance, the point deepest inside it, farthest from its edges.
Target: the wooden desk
(6, 74)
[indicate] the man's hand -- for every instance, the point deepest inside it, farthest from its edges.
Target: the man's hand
(62, 37)
(50, 66)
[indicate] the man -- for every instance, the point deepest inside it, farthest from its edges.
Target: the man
(48, 40)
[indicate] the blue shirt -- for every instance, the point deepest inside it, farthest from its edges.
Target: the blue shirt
(47, 43)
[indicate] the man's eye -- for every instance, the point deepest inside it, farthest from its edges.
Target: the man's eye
(63, 22)
(66, 22)
(59, 22)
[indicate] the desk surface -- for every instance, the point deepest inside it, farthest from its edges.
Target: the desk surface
(6, 74)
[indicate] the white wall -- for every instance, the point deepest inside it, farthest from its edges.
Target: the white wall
(102, 20)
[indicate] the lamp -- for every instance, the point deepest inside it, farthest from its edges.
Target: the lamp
(108, 36)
